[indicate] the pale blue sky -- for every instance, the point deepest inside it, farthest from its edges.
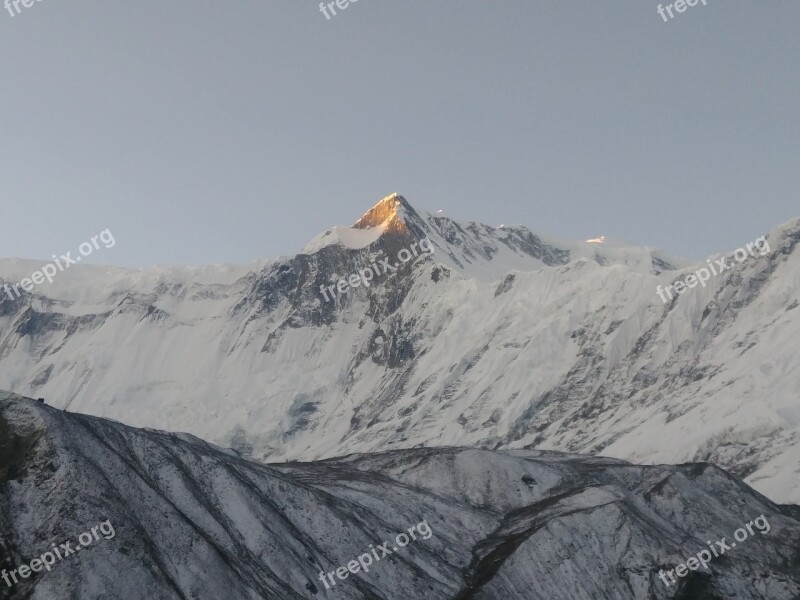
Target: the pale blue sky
(202, 131)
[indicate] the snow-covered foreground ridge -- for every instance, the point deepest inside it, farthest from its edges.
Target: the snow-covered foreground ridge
(196, 521)
(501, 339)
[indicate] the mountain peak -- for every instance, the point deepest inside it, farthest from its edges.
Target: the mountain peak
(391, 213)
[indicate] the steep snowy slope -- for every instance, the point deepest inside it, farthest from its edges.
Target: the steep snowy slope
(194, 521)
(499, 339)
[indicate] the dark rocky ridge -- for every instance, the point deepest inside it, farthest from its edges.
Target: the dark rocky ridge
(196, 521)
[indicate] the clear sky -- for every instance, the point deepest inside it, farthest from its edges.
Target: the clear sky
(204, 132)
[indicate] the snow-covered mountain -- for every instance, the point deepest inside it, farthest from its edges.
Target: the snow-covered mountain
(501, 338)
(191, 520)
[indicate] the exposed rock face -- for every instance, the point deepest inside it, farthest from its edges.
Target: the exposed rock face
(195, 521)
(394, 213)
(499, 339)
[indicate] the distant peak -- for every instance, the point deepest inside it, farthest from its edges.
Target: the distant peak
(391, 214)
